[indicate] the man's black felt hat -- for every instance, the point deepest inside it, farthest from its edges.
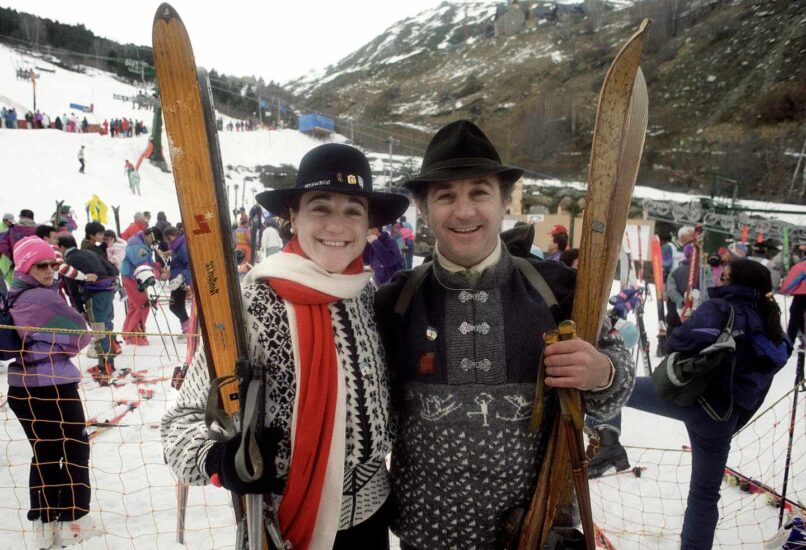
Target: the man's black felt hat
(458, 151)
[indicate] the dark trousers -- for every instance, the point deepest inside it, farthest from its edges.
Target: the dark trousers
(59, 479)
(372, 534)
(797, 317)
(710, 444)
(177, 306)
(82, 166)
(101, 305)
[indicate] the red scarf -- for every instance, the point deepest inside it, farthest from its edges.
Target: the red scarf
(317, 393)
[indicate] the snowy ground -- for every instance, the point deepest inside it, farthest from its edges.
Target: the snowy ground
(132, 488)
(134, 492)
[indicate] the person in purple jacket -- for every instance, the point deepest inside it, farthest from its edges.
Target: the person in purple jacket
(180, 279)
(43, 394)
(731, 397)
(383, 255)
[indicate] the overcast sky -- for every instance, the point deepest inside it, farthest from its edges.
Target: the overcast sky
(276, 39)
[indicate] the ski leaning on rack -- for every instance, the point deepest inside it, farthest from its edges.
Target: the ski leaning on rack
(660, 295)
(694, 279)
(643, 338)
(198, 174)
(116, 211)
(618, 140)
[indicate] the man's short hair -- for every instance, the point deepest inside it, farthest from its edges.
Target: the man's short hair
(685, 230)
(561, 239)
(44, 231)
(420, 192)
(67, 241)
(568, 256)
(93, 228)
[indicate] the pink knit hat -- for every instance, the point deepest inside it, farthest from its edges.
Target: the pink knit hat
(29, 251)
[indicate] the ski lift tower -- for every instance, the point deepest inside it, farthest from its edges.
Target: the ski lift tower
(724, 191)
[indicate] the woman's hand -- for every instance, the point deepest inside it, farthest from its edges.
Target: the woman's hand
(220, 465)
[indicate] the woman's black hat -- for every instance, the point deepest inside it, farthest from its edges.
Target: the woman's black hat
(458, 151)
(336, 168)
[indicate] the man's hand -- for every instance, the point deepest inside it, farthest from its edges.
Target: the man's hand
(576, 364)
(92, 277)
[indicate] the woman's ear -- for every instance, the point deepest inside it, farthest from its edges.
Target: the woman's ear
(292, 219)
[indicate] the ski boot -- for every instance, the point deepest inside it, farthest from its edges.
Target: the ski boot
(44, 534)
(76, 531)
(116, 349)
(609, 454)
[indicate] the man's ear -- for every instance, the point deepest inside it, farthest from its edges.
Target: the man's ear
(422, 209)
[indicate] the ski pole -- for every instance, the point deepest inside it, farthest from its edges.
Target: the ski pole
(167, 323)
(798, 382)
(159, 328)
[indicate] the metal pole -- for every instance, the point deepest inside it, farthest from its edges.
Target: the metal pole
(798, 382)
(260, 110)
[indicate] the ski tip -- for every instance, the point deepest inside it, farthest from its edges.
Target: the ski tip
(166, 13)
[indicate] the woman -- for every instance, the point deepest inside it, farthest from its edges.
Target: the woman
(44, 396)
(309, 313)
(762, 349)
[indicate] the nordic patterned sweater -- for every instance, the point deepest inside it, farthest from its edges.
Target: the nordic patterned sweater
(368, 438)
(464, 365)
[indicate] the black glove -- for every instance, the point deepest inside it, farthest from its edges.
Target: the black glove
(221, 461)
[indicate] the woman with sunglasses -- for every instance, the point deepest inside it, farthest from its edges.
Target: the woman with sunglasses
(311, 322)
(44, 396)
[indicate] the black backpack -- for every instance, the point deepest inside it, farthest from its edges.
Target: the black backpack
(684, 379)
(10, 341)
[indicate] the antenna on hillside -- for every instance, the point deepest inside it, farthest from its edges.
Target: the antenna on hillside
(465, 24)
(795, 173)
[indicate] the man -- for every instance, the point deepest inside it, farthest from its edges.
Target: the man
(25, 227)
(464, 352)
(139, 224)
(95, 300)
(6, 267)
(94, 238)
(48, 234)
(270, 242)
(138, 253)
(81, 159)
(407, 232)
(677, 287)
(558, 244)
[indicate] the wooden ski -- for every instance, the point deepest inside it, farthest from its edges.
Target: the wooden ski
(693, 275)
(618, 140)
(198, 174)
(660, 295)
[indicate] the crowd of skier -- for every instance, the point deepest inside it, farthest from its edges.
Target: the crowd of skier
(37, 120)
(368, 355)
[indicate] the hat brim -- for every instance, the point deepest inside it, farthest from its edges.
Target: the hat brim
(384, 208)
(508, 174)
